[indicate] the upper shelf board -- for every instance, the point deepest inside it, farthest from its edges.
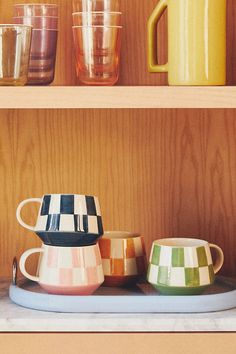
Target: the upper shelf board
(65, 97)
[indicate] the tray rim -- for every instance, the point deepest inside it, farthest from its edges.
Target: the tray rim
(127, 303)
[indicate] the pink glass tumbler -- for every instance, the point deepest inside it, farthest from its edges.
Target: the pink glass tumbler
(97, 50)
(44, 20)
(28, 10)
(42, 57)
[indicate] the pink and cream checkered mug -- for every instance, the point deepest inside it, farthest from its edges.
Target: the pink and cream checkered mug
(66, 270)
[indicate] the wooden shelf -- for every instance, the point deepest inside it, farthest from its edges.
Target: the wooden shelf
(58, 97)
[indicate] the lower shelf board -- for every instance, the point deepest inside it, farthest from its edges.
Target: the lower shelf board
(14, 318)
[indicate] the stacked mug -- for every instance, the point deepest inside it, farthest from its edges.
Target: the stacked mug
(44, 21)
(69, 226)
(97, 41)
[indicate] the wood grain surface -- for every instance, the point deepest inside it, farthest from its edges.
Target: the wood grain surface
(132, 343)
(158, 172)
(133, 56)
(80, 97)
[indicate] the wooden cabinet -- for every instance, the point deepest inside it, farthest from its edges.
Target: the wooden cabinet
(161, 159)
(159, 172)
(162, 172)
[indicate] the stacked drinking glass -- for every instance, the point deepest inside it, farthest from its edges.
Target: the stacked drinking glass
(97, 41)
(44, 20)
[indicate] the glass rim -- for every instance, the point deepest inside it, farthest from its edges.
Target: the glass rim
(96, 26)
(56, 17)
(8, 25)
(36, 5)
(97, 13)
(44, 29)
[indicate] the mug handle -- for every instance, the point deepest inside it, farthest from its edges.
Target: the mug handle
(220, 258)
(23, 259)
(18, 212)
(153, 65)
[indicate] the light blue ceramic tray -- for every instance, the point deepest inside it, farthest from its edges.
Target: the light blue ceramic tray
(141, 299)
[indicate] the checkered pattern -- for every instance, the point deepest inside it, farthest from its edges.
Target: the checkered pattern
(180, 267)
(123, 256)
(70, 213)
(71, 266)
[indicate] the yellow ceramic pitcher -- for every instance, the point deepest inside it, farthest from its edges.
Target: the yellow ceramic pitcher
(196, 41)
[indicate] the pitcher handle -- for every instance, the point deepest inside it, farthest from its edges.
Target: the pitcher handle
(153, 65)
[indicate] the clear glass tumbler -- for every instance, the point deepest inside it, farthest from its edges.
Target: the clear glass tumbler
(96, 5)
(27, 10)
(14, 54)
(96, 18)
(97, 50)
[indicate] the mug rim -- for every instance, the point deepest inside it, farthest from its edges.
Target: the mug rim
(80, 195)
(180, 242)
(66, 247)
(124, 235)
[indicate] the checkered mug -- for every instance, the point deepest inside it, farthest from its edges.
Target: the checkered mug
(66, 219)
(66, 270)
(123, 257)
(183, 266)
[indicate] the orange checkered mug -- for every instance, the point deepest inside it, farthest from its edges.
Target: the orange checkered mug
(123, 257)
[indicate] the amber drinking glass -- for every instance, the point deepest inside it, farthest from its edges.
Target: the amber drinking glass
(14, 54)
(97, 50)
(96, 18)
(96, 5)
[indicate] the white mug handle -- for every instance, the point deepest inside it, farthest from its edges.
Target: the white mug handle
(18, 211)
(23, 259)
(220, 258)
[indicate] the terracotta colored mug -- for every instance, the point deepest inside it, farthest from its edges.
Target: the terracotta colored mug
(123, 257)
(66, 270)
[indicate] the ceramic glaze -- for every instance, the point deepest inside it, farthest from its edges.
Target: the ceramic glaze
(66, 219)
(67, 270)
(182, 266)
(196, 41)
(123, 258)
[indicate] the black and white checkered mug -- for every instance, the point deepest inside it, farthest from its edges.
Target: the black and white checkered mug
(66, 219)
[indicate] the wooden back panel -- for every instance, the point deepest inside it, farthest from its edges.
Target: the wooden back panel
(133, 63)
(158, 172)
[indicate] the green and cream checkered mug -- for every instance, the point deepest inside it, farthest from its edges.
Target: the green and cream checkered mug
(183, 266)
